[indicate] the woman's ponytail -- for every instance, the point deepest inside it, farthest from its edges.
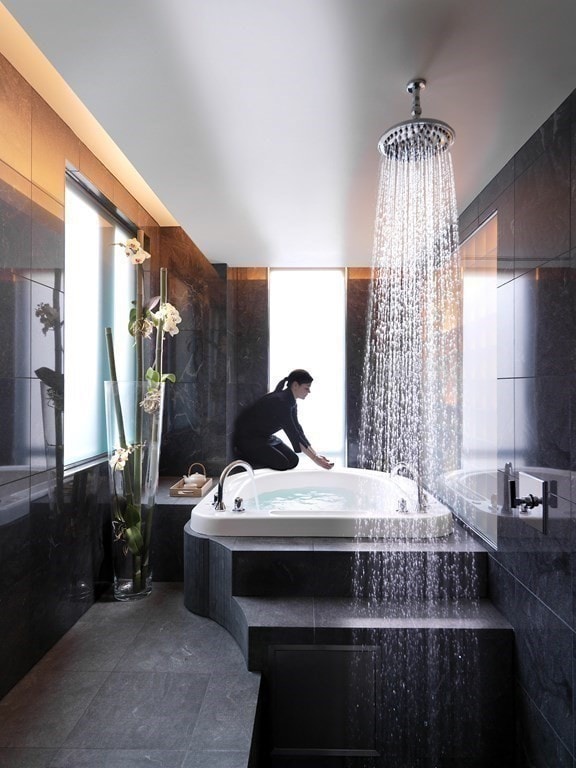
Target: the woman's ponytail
(300, 376)
(281, 384)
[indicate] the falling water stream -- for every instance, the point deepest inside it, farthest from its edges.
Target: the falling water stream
(410, 415)
(410, 378)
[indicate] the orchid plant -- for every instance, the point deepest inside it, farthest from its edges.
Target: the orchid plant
(132, 516)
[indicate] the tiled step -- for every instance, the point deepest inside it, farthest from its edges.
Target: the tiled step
(332, 621)
(453, 568)
(220, 569)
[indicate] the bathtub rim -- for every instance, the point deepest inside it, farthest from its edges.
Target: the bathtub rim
(436, 523)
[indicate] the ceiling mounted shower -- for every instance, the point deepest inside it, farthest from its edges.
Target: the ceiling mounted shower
(417, 138)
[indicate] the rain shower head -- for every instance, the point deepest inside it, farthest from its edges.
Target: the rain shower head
(419, 137)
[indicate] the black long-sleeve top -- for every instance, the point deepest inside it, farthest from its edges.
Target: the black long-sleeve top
(269, 414)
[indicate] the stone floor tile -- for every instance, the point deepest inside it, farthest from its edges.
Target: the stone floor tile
(26, 758)
(118, 758)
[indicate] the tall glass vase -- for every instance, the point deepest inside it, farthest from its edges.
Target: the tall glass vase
(134, 429)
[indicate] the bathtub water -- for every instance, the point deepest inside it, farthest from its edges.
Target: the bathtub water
(341, 502)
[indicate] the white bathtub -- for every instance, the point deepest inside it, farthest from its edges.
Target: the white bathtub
(315, 502)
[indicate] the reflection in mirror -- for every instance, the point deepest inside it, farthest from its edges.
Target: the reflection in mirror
(49, 317)
(472, 490)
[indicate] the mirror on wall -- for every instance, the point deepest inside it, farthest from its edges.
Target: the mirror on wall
(31, 352)
(472, 489)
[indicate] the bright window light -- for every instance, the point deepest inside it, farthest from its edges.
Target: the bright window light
(98, 290)
(307, 330)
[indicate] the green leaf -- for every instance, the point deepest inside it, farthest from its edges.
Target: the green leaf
(131, 321)
(169, 377)
(119, 508)
(153, 375)
(134, 540)
(132, 515)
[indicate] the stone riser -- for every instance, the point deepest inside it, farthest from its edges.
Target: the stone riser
(394, 576)
(430, 698)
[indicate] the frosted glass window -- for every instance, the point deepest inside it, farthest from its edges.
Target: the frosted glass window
(98, 293)
(307, 330)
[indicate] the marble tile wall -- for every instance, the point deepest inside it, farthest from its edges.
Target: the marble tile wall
(54, 530)
(357, 293)
(195, 415)
(248, 335)
(532, 575)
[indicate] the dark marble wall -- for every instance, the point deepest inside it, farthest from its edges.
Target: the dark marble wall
(54, 529)
(532, 575)
(195, 414)
(357, 293)
(248, 338)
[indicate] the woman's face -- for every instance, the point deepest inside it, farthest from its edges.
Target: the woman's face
(300, 391)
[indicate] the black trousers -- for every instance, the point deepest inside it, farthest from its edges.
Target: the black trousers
(268, 452)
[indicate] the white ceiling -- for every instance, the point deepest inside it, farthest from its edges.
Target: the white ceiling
(256, 121)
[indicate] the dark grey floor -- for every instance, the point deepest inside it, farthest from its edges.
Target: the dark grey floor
(130, 685)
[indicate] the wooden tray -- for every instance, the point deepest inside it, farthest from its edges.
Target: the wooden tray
(179, 489)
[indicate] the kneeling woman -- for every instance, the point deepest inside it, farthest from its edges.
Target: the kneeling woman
(254, 435)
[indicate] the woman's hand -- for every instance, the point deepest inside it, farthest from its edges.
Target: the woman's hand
(322, 461)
